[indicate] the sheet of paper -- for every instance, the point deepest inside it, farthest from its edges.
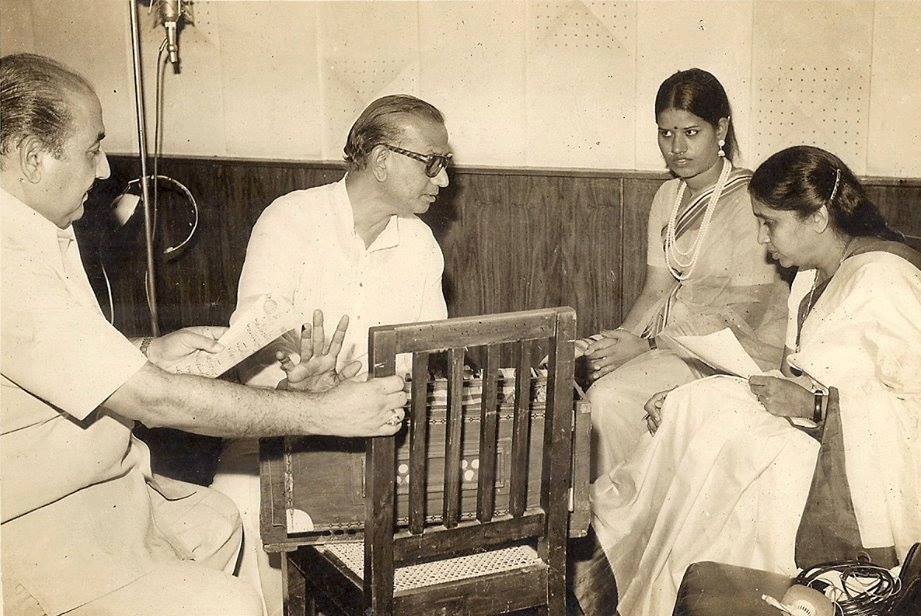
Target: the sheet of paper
(722, 350)
(265, 320)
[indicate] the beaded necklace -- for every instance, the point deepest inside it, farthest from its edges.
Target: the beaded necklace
(673, 254)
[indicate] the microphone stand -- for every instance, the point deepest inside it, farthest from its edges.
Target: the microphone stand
(150, 280)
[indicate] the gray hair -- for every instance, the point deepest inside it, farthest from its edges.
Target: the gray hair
(34, 101)
(378, 124)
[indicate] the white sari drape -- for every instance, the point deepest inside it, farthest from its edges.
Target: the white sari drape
(724, 480)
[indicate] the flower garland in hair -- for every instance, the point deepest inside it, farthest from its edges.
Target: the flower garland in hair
(675, 254)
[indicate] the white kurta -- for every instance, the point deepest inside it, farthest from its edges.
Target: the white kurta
(304, 249)
(82, 515)
(724, 480)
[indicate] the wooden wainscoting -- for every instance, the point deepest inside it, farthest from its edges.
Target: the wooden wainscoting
(513, 239)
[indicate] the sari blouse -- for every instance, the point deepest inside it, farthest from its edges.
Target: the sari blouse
(733, 283)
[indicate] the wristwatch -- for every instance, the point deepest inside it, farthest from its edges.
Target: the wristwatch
(652, 343)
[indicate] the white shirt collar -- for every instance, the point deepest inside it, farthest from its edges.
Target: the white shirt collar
(388, 238)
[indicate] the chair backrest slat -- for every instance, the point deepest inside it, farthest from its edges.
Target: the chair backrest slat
(489, 437)
(521, 426)
(557, 458)
(380, 492)
(418, 433)
(452, 485)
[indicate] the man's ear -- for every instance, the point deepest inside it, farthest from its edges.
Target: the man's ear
(32, 155)
(377, 161)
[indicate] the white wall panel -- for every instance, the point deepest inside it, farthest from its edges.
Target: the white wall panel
(271, 84)
(193, 110)
(809, 93)
(672, 36)
(16, 32)
(894, 147)
(97, 45)
(561, 83)
(580, 71)
(472, 58)
(366, 50)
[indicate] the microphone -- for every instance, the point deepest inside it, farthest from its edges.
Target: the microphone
(169, 12)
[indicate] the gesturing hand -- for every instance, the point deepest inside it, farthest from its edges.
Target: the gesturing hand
(316, 370)
(616, 347)
(168, 350)
(653, 409)
(782, 397)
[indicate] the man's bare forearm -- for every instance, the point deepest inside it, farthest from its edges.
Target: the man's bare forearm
(217, 408)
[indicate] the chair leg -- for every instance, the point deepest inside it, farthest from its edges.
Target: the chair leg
(555, 607)
(296, 601)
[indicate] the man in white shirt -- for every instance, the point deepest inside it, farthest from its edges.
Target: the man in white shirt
(86, 527)
(354, 247)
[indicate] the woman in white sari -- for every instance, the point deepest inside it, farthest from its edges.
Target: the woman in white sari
(705, 271)
(729, 475)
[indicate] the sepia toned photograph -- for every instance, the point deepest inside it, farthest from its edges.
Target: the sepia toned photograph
(441, 307)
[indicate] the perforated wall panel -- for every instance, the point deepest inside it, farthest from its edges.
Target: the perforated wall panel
(580, 70)
(366, 50)
(809, 93)
(472, 69)
(271, 113)
(681, 35)
(895, 90)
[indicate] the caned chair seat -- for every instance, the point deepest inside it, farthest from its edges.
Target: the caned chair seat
(351, 555)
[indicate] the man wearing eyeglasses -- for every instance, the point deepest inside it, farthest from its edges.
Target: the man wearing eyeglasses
(354, 247)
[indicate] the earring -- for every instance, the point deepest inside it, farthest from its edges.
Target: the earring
(721, 153)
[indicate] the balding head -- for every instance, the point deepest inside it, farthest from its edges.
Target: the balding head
(35, 101)
(384, 121)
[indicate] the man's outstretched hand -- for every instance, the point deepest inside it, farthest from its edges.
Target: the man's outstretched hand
(316, 370)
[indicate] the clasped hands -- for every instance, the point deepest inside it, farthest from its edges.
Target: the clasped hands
(782, 397)
(613, 348)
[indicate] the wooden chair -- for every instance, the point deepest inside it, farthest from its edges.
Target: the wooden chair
(450, 561)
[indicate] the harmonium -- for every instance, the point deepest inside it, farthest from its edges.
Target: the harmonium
(313, 488)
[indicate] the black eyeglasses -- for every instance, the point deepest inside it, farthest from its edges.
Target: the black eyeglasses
(434, 163)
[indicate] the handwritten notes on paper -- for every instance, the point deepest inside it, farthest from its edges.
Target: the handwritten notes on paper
(265, 320)
(722, 350)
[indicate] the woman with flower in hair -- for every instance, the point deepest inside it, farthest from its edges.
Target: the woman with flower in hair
(818, 464)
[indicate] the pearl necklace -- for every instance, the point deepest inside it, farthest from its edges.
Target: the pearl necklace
(672, 252)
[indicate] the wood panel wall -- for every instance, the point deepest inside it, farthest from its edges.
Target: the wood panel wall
(512, 239)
